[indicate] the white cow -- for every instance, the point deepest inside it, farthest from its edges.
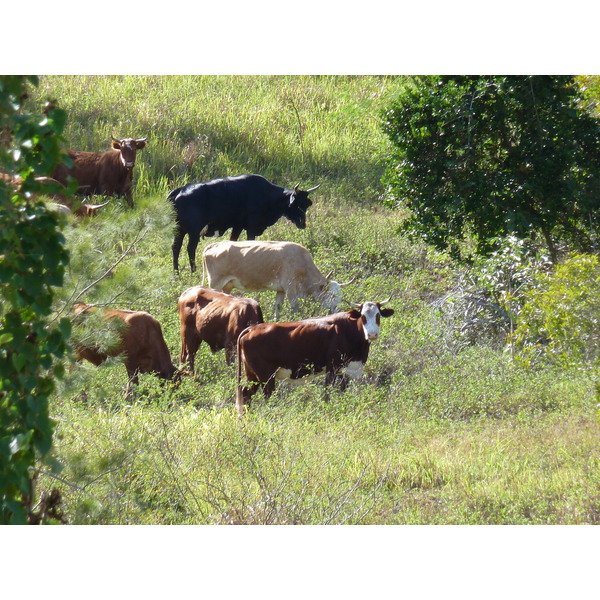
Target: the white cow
(284, 267)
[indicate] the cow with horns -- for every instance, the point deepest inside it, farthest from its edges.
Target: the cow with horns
(246, 202)
(336, 344)
(284, 267)
(107, 173)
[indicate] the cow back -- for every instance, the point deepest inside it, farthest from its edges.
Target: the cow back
(96, 172)
(301, 347)
(144, 343)
(259, 265)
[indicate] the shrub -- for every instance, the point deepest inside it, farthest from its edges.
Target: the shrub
(560, 318)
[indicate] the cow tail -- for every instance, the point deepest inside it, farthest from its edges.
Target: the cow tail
(239, 394)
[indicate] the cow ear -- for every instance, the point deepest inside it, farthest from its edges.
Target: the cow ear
(139, 144)
(386, 312)
(354, 314)
(116, 145)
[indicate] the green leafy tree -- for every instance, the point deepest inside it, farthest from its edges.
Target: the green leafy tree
(32, 260)
(490, 156)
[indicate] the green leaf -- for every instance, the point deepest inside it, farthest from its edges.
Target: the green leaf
(6, 337)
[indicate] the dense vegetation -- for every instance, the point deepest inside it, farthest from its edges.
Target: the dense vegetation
(451, 423)
(32, 263)
(489, 156)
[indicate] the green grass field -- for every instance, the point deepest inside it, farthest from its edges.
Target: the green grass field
(429, 435)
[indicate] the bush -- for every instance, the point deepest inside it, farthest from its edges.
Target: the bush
(32, 262)
(485, 304)
(560, 318)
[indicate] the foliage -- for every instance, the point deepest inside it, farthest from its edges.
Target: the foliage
(560, 318)
(485, 303)
(489, 156)
(32, 261)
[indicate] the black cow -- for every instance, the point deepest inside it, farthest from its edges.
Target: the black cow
(247, 202)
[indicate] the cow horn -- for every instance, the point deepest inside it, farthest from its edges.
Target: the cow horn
(354, 305)
(329, 275)
(312, 189)
(296, 187)
(349, 282)
(114, 139)
(94, 206)
(384, 302)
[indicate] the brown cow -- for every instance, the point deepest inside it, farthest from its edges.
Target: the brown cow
(336, 344)
(141, 342)
(108, 173)
(215, 318)
(62, 202)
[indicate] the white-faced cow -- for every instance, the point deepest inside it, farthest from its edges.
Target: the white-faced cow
(140, 340)
(284, 267)
(107, 173)
(247, 202)
(215, 318)
(336, 344)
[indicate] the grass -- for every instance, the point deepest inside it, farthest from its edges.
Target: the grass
(429, 435)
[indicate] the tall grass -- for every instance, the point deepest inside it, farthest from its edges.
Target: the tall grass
(292, 130)
(429, 435)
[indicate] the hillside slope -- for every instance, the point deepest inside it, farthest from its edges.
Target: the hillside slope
(433, 433)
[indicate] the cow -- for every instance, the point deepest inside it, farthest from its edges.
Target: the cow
(63, 202)
(141, 341)
(285, 267)
(246, 202)
(336, 344)
(106, 173)
(215, 318)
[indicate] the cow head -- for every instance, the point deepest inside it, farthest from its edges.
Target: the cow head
(298, 204)
(128, 147)
(370, 314)
(329, 293)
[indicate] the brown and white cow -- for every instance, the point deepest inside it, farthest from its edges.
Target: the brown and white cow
(108, 173)
(336, 344)
(284, 267)
(215, 318)
(141, 341)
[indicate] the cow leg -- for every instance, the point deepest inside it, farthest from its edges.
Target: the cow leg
(189, 347)
(278, 304)
(132, 374)
(293, 300)
(337, 378)
(230, 354)
(235, 234)
(176, 247)
(269, 387)
(193, 240)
